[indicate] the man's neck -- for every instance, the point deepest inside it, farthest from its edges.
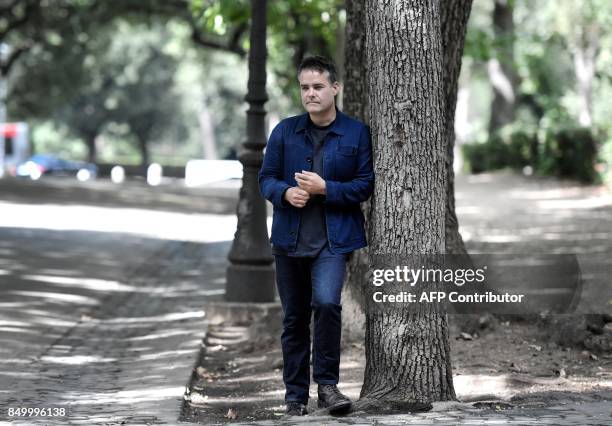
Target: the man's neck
(324, 119)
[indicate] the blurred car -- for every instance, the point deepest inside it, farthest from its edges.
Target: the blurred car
(46, 164)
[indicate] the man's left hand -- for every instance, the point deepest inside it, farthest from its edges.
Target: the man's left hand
(311, 182)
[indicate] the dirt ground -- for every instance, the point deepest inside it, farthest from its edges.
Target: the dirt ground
(515, 363)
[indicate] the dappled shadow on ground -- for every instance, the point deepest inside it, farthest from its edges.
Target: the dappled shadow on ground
(105, 324)
(508, 213)
(101, 294)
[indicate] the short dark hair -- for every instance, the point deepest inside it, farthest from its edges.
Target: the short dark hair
(321, 64)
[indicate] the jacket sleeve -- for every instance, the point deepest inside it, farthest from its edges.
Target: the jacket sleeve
(271, 183)
(361, 186)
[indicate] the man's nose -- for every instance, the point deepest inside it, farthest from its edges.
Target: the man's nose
(310, 92)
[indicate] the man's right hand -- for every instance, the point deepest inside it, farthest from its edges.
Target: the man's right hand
(296, 197)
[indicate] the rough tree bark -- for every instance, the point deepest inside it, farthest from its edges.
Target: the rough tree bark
(454, 19)
(502, 75)
(407, 349)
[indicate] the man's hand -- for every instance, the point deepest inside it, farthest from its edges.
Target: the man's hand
(311, 182)
(297, 197)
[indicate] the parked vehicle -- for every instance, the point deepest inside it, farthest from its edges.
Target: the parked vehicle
(14, 146)
(46, 164)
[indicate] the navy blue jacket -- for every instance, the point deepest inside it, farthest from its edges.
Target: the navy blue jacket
(347, 171)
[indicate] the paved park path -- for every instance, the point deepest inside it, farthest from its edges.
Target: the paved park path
(101, 307)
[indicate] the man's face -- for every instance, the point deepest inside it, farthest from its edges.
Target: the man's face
(317, 92)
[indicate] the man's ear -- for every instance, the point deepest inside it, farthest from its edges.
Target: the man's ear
(336, 87)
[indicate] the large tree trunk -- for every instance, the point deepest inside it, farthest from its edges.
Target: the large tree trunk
(407, 348)
(454, 19)
(502, 75)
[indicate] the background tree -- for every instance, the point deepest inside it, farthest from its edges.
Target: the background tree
(501, 68)
(145, 95)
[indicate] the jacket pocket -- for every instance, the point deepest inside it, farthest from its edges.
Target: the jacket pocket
(347, 150)
(345, 162)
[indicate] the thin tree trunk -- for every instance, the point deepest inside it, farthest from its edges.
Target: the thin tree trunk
(454, 18)
(355, 97)
(144, 153)
(90, 141)
(407, 348)
(339, 59)
(584, 67)
(502, 74)
(207, 133)
(355, 101)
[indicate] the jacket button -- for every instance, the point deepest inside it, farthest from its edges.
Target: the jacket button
(308, 160)
(291, 233)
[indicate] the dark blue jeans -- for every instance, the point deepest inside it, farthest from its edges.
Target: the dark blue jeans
(307, 284)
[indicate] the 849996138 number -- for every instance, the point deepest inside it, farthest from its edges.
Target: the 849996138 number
(37, 412)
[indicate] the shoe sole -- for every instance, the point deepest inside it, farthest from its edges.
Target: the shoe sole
(337, 408)
(296, 415)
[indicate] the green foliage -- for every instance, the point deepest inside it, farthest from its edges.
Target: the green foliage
(509, 148)
(479, 37)
(50, 137)
(105, 70)
(569, 152)
(563, 152)
(604, 167)
(143, 78)
(549, 36)
(122, 75)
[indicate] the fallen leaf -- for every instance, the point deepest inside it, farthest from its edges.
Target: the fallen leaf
(231, 414)
(516, 368)
(588, 354)
(466, 336)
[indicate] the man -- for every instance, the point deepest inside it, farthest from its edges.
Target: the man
(316, 171)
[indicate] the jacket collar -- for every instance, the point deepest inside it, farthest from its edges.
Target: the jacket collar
(338, 127)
